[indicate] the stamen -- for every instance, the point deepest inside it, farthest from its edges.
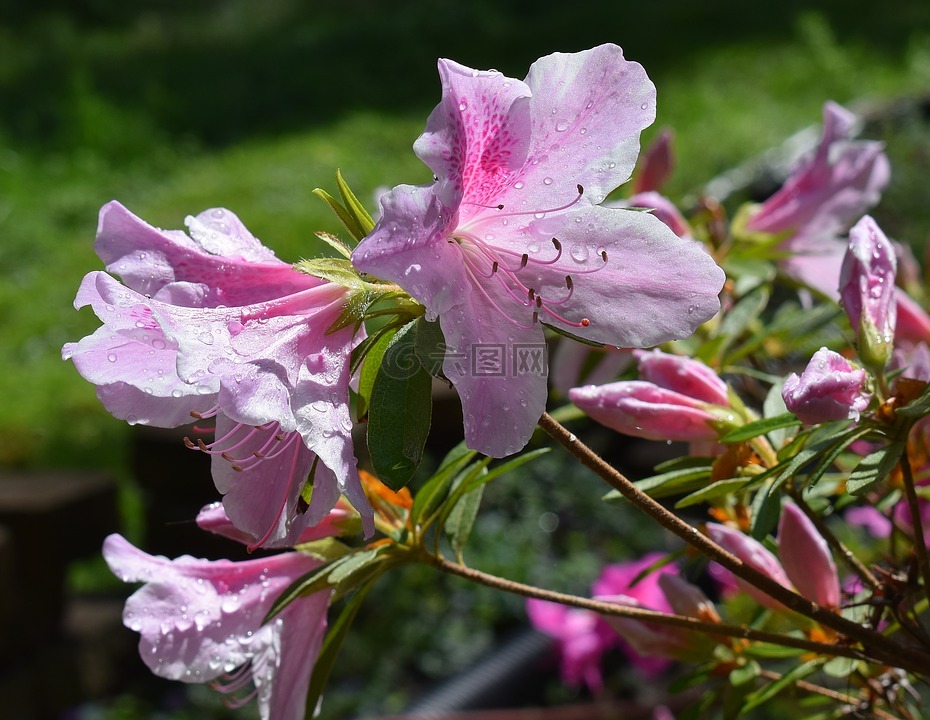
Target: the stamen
(496, 216)
(284, 497)
(604, 255)
(569, 283)
(494, 267)
(524, 259)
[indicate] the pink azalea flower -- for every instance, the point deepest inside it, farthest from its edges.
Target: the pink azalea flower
(213, 518)
(754, 554)
(824, 195)
(572, 364)
(867, 291)
(912, 324)
(617, 581)
(215, 326)
(662, 208)
(201, 621)
(677, 399)
(511, 234)
(806, 558)
(581, 643)
(828, 389)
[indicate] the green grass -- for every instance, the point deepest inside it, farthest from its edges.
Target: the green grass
(117, 104)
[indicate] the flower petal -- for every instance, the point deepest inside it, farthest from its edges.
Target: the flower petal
(588, 110)
(477, 138)
(408, 246)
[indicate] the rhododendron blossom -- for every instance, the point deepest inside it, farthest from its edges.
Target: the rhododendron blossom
(824, 195)
(201, 621)
(214, 326)
(511, 234)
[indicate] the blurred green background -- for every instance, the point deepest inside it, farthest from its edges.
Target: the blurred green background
(173, 107)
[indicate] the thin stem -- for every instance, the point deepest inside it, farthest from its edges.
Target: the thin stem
(652, 616)
(874, 643)
(920, 547)
(854, 563)
(827, 692)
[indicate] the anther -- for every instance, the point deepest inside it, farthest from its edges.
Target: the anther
(535, 317)
(604, 255)
(585, 322)
(237, 468)
(558, 245)
(580, 190)
(188, 444)
(259, 455)
(524, 259)
(569, 283)
(532, 294)
(202, 445)
(197, 415)
(538, 301)
(494, 267)
(227, 456)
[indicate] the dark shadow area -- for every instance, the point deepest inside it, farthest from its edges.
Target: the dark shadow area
(215, 72)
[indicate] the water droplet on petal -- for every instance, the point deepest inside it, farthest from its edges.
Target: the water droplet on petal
(111, 357)
(518, 185)
(206, 338)
(579, 252)
(547, 181)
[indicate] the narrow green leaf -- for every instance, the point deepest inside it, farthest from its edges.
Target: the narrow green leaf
(335, 243)
(399, 411)
(760, 427)
(918, 407)
(354, 208)
(715, 490)
(774, 406)
(508, 466)
(745, 673)
(332, 644)
(830, 456)
(345, 217)
(766, 509)
(874, 468)
(434, 489)
(462, 518)
(373, 358)
(738, 319)
(676, 482)
(686, 461)
(336, 270)
(787, 680)
(769, 651)
(309, 582)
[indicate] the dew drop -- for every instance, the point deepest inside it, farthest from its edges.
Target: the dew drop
(159, 344)
(644, 106)
(206, 338)
(579, 252)
(533, 247)
(518, 185)
(561, 126)
(547, 181)
(176, 393)
(111, 357)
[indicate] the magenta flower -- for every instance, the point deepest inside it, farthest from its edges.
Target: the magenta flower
(678, 399)
(867, 291)
(201, 621)
(581, 643)
(824, 195)
(754, 554)
(511, 235)
(806, 558)
(213, 325)
(828, 389)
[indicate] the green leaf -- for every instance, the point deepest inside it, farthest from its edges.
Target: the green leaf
(506, 467)
(354, 208)
(675, 482)
(430, 347)
(770, 651)
(374, 356)
(774, 406)
(462, 518)
(745, 673)
(874, 468)
(766, 508)
(335, 243)
(434, 489)
(743, 314)
(787, 680)
(349, 222)
(332, 644)
(715, 490)
(327, 549)
(336, 270)
(760, 427)
(918, 407)
(830, 456)
(399, 411)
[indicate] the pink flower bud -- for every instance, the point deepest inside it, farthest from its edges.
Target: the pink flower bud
(913, 322)
(754, 554)
(662, 208)
(687, 599)
(646, 410)
(806, 558)
(655, 164)
(683, 375)
(828, 389)
(867, 291)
